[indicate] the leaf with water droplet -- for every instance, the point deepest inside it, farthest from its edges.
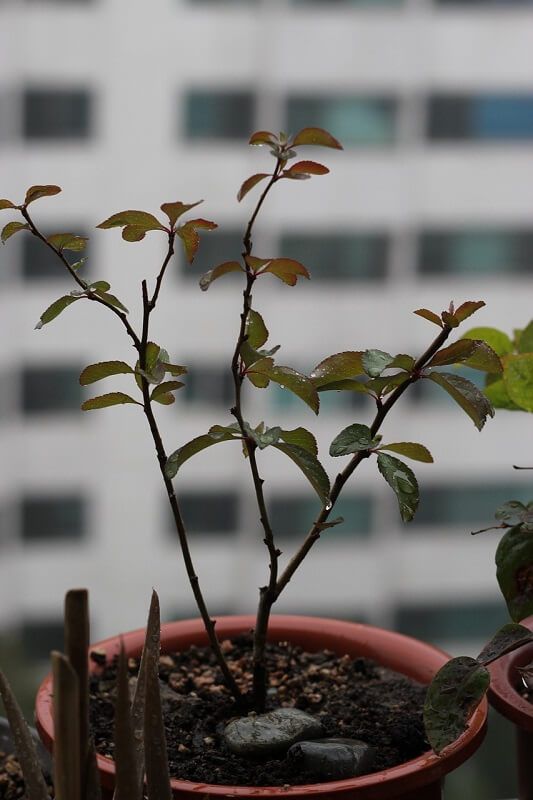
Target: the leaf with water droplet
(352, 439)
(403, 482)
(310, 466)
(375, 361)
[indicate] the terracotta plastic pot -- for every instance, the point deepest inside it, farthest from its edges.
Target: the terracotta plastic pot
(503, 695)
(418, 779)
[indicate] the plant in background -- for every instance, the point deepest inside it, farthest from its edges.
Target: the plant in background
(382, 376)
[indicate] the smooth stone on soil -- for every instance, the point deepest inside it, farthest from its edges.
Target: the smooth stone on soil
(268, 734)
(333, 759)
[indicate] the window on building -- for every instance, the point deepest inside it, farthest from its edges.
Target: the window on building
(40, 636)
(219, 114)
(355, 120)
(40, 263)
(208, 384)
(209, 512)
(53, 517)
(425, 391)
(471, 505)
(451, 621)
(488, 117)
(339, 256)
(56, 113)
(50, 389)
(215, 247)
(292, 516)
(481, 251)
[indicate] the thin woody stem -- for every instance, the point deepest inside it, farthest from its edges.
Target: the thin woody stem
(342, 477)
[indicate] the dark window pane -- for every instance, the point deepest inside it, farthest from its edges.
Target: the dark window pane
(472, 252)
(215, 247)
(38, 261)
(425, 391)
(59, 517)
(489, 117)
(51, 389)
(451, 621)
(219, 115)
(211, 385)
(467, 506)
(293, 516)
(209, 512)
(353, 120)
(40, 637)
(339, 256)
(56, 113)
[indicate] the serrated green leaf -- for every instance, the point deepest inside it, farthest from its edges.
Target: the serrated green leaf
(174, 369)
(287, 378)
(403, 482)
(264, 438)
(256, 330)
(249, 184)
(133, 233)
(453, 354)
(188, 234)
(176, 460)
(429, 315)
(375, 361)
(310, 466)
(352, 439)
(11, 229)
(453, 695)
(112, 300)
(497, 340)
(496, 392)
(514, 571)
(363, 387)
(222, 269)
(384, 385)
(100, 286)
(338, 367)
(35, 192)
(106, 400)
(220, 431)
(507, 639)
(466, 310)
(467, 395)
(403, 361)
(474, 353)
(175, 210)
(6, 204)
(409, 449)
(55, 309)
(302, 438)
(286, 269)
(316, 136)
(67, 241)
(525, 343)
(141, 219)
(513, 513)
(96, 372)
(518, 379)
(163, 390)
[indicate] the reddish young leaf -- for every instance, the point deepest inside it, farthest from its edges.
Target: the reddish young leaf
(316, 136)
(450, 319)
(222, 269)
(131, 217)
(306, 168)
(6, 204)
(35, 192)
(249, 183)
(256, 263)
(190, 238)
(175, 210)
(429, 315)
(286, 269)
(466, 310)
(11, 228)
(133, 233)
(263, 137)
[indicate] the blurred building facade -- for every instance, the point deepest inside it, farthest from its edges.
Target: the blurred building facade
(431, 201)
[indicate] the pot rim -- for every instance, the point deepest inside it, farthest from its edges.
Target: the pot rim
(423, 660)
(502, 692)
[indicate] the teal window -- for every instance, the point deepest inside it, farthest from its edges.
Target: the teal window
(208, 384)
(329, 401)
(355, 120)
(53, 517)
(51, 389)
(467, 506)
(339, 256)
(40, 636)
(451, 621)
(209, 512)
(213, 114)
(215, 247)
(56, 113)
(475, 252)
(489, 117)
(426, 391)
(292, 517)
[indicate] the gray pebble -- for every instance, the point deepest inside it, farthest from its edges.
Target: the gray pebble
(333, 759)
(273, 733)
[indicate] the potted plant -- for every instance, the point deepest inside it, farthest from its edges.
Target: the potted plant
(382, 376)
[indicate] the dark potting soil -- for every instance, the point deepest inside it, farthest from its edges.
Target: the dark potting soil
(11, 779)
(353, 698)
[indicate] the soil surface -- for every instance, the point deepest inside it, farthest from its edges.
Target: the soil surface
(354, 698)
(11, 780)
